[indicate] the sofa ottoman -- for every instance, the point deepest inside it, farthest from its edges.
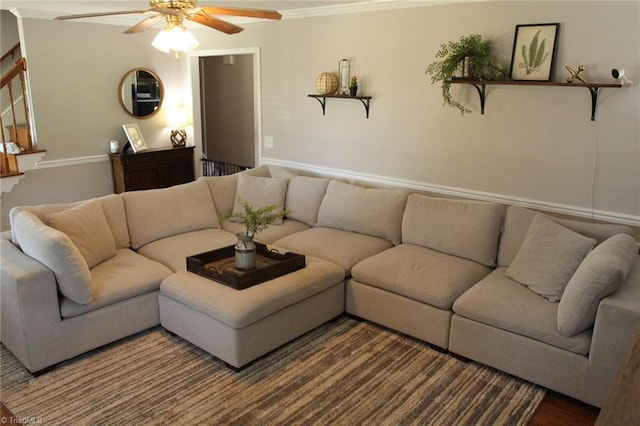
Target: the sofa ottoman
(238, 326)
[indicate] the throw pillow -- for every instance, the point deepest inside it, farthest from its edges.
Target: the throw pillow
(304, 196)
(260, 192)
(549, 256)
(57, 252)
(599, 275)
(86, 225)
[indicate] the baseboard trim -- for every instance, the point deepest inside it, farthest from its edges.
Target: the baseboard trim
(599, 215)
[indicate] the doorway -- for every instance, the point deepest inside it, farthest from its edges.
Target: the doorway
(229, 112)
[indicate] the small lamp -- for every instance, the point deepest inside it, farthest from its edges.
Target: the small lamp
(177, 120)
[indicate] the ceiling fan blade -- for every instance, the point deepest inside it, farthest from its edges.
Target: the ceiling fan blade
(144, 24)
(91, 15)
(235, 11)
(215, 23)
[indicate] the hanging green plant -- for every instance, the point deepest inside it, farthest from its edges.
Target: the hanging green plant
(472, 53)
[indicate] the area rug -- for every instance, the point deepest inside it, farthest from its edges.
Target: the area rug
(346, 372)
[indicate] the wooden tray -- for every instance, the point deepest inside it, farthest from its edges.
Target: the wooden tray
(219, 265)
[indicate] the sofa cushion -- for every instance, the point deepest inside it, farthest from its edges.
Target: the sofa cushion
(156, 213)
(223, 191)
(468, 229)
(113, 208)
(269, 235)
(420, 273)
(549, 256)
(304, 196)
(173, 251)
(57, 252)
(371, 211)
(599, 275)
(259, 192)
(501, 302)
(343, 248)
(518, 220)
(122, 277)
(86, 225)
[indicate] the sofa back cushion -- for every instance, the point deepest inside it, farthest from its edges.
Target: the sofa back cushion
(304, 196)
(223, 191)
(260, 192)
(112, 207)
(157, 213)
(518, 220)
(87, 227)
(371, 211)
(599, 275)
(56, 251)
(223, 188)
(467, 229)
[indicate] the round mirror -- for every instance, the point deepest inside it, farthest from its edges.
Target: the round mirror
(141, 93)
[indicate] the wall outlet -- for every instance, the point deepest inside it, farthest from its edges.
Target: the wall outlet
(268, 141)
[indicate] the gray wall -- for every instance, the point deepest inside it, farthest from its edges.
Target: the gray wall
(534, 146)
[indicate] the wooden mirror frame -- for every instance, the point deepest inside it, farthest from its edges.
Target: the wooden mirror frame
(155, 93)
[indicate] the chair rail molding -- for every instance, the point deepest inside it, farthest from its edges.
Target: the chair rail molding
(582, 212)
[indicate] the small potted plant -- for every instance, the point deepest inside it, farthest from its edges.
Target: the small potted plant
(353, 85)
(254, 220)
(471, 54)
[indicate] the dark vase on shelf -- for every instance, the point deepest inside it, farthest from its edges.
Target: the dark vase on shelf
(353, 90)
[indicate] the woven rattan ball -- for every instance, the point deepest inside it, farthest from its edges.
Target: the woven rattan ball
(326, 83)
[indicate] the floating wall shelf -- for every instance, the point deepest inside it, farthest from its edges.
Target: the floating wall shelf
(593, 88)
(323, 100)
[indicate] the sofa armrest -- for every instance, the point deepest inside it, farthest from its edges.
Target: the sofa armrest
(29, 311)
(616, 321)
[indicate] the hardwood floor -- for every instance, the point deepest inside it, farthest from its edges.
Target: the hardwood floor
(560, 410)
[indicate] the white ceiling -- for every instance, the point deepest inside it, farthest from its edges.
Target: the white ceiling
(49, 9)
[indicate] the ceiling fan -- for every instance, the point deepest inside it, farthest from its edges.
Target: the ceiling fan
(174, 12)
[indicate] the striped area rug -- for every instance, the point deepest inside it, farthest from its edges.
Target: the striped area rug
(346, 372)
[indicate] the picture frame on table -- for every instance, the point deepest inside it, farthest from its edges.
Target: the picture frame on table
(534, 51)
(136, 141)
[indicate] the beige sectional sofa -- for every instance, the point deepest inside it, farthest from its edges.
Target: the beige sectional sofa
(553, 301)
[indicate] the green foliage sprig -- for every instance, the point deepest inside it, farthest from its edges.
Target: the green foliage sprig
(255, 220)
(476, 50)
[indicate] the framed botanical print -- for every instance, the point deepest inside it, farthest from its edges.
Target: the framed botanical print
(534, 48)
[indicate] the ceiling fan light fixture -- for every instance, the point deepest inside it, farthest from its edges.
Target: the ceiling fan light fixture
(175, 37)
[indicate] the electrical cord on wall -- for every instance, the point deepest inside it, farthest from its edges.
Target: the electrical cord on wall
(596, 169)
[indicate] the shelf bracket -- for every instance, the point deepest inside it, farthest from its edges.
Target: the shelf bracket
(594, 101)
(365, 102)
(323, 102)
(481, 88)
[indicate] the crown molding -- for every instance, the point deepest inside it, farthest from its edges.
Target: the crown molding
(307, 12)
(367, 6)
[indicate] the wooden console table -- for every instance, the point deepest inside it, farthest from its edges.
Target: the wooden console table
(155, 168)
